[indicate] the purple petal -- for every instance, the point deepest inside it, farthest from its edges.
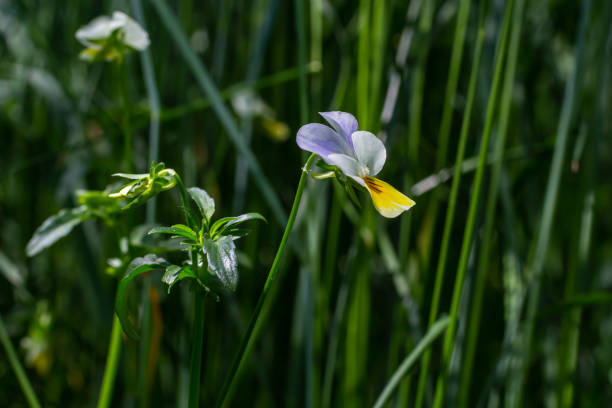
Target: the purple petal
(320, 139)
(344, 123)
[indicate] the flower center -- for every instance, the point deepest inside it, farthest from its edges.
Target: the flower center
(364, 171)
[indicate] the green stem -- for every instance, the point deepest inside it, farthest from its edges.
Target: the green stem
(197, 337)
(494, 182)
(238, 359)
(112, 361)
(468, 233)
(450, 212)
(550, 204)
(434, 332)
(22, 378)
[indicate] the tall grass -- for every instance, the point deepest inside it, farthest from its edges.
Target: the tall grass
(491, 290)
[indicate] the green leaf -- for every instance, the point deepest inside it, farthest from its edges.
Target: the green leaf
(204, 202)
(176, 273)
(10, 271)
(179, 229)
(136, 267)
(131, 176)
(221, 256)
(56, 227)
(224, 223)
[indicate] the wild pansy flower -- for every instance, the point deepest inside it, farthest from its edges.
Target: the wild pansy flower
(358, 154)
(109, 38)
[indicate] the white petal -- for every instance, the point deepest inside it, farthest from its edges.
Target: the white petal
(369, 151)
(349, 166)
(133, 34)
(98, 29)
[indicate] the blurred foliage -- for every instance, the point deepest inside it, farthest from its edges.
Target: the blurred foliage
(60, 121)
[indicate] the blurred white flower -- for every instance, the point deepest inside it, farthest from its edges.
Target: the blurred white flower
(109, 38)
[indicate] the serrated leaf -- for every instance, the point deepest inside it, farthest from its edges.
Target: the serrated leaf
(183, 232)
(136, 267)
(234, 221)
(204, 202)
(56, 227)
(176, 273)
(221, 256)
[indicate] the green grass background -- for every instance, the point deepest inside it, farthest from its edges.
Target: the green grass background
(528, 230)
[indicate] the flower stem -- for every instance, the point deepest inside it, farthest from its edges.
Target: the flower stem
(22, 378)
(112, 361)
(248, 337)
(197, 336)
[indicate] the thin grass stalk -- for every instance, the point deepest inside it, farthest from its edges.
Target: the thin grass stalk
(316, 50)
(209, 88)
(22, 377)
(450, 212)
(302, 53)
(262, 36)
(154, 102)
(125, 114)
(197, 339)
(363, 63)
(570, 326)
(433, 333)
(414, 131)
(334, 333)
(451, 85)
(154, 114)
(377, 58)
(112, 362)
(548, 211)
(248, 336)
(448, 108)
(466, 245)
(269, 81)
(487, 236)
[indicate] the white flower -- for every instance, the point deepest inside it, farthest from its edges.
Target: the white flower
(112, 36)
(360, 155)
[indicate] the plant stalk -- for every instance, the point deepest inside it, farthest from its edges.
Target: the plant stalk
(248, 337)
(22, 378)
(112, 361)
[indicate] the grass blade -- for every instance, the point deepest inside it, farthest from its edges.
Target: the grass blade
(223, 113)
(548, 211)
(472, 212)
(498, 156)
(432, 334)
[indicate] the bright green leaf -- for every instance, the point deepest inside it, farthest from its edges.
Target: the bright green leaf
(224, 223)
(183, 232)
(136, 267)
(176, 273)
(56, 227)
(204, 202)
(221, 256)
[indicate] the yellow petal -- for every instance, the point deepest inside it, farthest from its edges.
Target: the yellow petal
(388, 201)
